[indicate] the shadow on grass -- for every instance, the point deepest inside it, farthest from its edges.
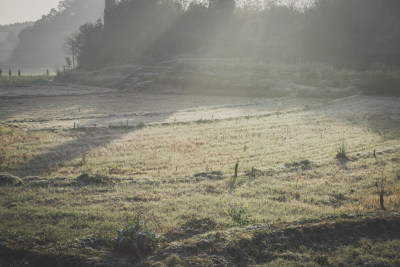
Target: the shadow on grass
(87, 139)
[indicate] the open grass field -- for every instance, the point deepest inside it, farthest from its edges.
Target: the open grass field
(82, 162)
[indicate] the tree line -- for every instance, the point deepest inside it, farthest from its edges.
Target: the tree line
(351, 33)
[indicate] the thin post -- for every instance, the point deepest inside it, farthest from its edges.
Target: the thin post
(236, 170)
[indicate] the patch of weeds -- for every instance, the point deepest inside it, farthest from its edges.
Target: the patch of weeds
(239, 214)
(294, 166)
(253, 173)
(85, 179)
(341, 153)
(137, 238)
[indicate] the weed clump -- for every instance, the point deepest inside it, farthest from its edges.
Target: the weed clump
(137, 238)
(341, 153)
(85, 179)
(239, 214)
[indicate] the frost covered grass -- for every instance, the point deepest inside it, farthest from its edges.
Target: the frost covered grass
(174, 173)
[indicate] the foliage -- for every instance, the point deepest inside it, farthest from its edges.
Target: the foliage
(238, 213)
(137, 238)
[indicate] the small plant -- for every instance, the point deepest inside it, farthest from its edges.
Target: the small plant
(239, 214)
(341, 153)
(380, 186)
(137, 238)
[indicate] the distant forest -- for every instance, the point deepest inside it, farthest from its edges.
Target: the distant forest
(41, 44)
(351, 33)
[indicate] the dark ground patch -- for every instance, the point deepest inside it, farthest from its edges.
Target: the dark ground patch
(202, 242)
(9, 180)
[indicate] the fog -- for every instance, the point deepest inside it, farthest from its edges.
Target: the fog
(40, 45)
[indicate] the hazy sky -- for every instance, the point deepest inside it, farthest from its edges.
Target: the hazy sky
(12, 11)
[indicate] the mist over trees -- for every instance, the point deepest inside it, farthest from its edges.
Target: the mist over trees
(9, 39)
(356, 33)
(42, 43)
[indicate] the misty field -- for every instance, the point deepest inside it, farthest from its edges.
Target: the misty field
(80, 164)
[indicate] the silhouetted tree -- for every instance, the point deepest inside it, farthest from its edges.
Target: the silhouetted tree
(71, 47)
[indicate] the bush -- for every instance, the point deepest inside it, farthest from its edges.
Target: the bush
(137, 238)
